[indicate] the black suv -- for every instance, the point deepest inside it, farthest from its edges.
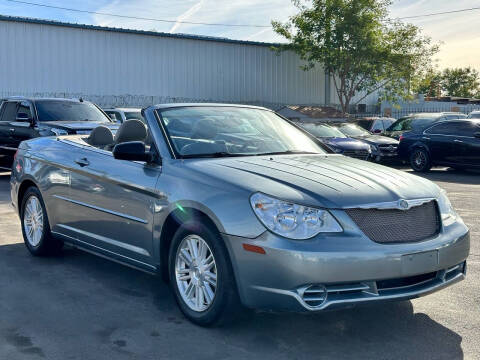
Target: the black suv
(23, 119)
(454, 143)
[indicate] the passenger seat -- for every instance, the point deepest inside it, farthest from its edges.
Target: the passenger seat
(100, 137)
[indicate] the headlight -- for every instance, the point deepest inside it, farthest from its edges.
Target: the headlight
(291, 220)
(58, 132)
(335, 149)
(447, 211)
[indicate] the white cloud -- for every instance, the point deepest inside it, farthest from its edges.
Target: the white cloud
(186, 15)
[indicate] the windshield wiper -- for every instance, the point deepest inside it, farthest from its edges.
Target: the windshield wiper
(218, 154)
(287, 152)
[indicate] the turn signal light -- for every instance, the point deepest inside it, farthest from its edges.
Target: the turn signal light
(254, 248)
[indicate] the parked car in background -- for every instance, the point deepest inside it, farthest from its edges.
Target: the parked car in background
(419, 121)
(382, 147)
(376, 125)
(338, 141)
(474, 115)
(244, 209)
(26, 118)
(122, 114)
(454, 143)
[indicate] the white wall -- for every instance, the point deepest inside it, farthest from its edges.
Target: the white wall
(46, 59)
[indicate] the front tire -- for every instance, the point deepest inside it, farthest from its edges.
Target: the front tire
(35, 227)
(420, 160)
(201, 275)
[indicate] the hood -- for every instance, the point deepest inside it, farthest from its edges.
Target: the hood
(330, 181)
(345, 143)
(378, 140)
(74, 126)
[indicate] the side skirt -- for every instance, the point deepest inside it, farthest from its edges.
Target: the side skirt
(109, 255)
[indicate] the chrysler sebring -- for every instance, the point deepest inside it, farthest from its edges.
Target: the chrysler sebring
(234, 205)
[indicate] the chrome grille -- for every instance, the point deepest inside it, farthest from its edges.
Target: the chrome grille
(398, 226)
(358, 154)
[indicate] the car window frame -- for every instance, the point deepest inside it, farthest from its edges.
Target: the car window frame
(438, 123)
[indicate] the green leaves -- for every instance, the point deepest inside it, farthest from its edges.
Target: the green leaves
(358, 45)
(461, 82)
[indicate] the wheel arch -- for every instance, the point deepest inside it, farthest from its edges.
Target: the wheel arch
(24, 185)
(176, 218)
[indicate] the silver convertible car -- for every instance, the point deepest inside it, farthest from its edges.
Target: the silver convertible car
(234, 205)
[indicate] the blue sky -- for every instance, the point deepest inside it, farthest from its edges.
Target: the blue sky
(460, 33)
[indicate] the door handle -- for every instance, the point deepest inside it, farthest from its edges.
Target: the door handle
(12, 130)
(458, 141)
(82, 162)
(425, 138)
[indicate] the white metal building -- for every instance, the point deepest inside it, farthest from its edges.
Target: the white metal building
(113, 66)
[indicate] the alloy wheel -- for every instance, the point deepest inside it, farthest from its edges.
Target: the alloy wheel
(196, 273)
(33, 221)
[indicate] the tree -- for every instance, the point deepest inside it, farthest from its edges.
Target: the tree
(358, 45)
(462, 82)
(429, 83)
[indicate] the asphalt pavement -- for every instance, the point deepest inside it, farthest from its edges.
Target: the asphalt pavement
(79, 306)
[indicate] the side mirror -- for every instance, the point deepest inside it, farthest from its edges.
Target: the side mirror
(133, 151)
(23, 117)
(477, 134)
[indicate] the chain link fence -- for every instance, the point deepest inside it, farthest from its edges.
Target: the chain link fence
(127, 100)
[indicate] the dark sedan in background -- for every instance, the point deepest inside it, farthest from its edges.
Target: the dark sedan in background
(376, 125)
(382, 147)
(338, 141)
(454, 143)
(420, 121)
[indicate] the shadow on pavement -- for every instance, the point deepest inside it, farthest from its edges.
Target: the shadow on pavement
(78, 302)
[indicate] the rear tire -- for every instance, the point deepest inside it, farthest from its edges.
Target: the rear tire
(35, 227)
(420, 160)
(201, 275)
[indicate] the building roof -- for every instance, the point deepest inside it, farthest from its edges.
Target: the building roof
(132, 31)
(317, 112)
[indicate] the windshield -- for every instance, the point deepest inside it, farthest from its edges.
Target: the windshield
(57, 110)
(410, 123)
(217, 131)
(475, 115)
(322, 130)
(353, 130)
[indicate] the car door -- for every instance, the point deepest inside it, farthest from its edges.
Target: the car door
(22, 130)
(7, 145)
(467, 143)
(112, 205)
(438, 138)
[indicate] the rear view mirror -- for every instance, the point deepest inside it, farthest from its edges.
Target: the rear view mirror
(377, 131)
(133, 151)
(23, 117)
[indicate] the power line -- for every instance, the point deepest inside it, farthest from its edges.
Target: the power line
(209, 24)
(439, 13)
(135, 17)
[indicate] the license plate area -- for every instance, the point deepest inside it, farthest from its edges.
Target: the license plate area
(418, 263)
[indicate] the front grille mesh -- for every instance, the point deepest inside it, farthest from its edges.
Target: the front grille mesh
(358, 154)
(398, 226)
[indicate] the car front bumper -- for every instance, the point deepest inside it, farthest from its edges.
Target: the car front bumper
(335, 271)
